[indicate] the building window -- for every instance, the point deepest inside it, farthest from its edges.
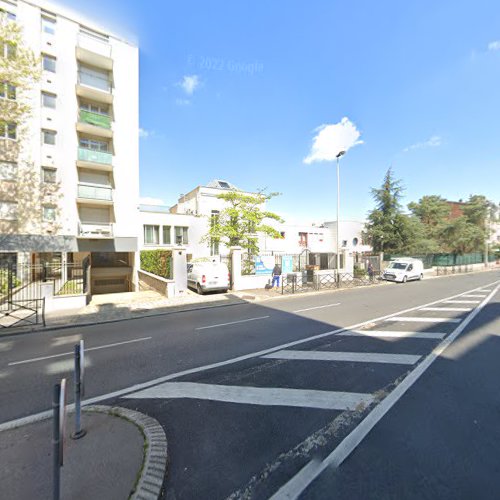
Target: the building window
(49, 213)
(181, 235)
(8, 171)
(151, 235)
(8, 210)
(49, 175)
(94, 145)
(355, 242)
(48, 25)
(94, 78)
(99, 109)
(49, 137)
(344, 243)
(8, 50)
(9, 15)
(8, 131)
(166, 235)
(303, 239)
(7, 91)
(49, 63)
(48, 100)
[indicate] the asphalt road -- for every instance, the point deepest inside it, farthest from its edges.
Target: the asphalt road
(284, 392)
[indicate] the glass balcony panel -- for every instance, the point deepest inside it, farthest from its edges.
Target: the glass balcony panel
(95, 119)
(94, 81)
(95, 192)
(92, 156)
(93, 44)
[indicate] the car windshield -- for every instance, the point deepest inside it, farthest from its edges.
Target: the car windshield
(397, 265)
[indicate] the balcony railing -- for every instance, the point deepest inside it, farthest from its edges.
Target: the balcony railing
(92, 44)
(95, 230)
(92, 156)
(96, 119)
(89, 192)
(95, 82)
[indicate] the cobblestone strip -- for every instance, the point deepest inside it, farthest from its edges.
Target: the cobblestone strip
(155, 456)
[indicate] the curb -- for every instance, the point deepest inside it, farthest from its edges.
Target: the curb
(150, 482)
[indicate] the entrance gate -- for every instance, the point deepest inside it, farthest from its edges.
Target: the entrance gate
(21, 302)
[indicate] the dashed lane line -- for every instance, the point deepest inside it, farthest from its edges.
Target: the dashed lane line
(231, 323)
(393, 334)
(356, 357)
(263, 396)
(459, 309)
(71, 353)
(413, 319)
(317, 307)
(461, 301)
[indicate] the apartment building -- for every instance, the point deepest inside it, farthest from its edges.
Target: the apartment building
(73, 180)
(188, 221)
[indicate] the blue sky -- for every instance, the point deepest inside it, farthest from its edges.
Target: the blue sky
(237, 91)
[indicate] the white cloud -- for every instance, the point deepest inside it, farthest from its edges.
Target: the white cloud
(330, 140)
(147, 200)
(190, 83)
(143, 133)
(494, 45)
(432, 142)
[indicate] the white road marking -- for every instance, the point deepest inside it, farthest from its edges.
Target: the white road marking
(475, 296)
(231, 323)
(463, 309)
(43, 358)
(293, 488)
(413, 319)
(317, 307)
(395, 335)
(483, 290)
(36, 417)
(461, 301)
(262, 396)
(356, 357)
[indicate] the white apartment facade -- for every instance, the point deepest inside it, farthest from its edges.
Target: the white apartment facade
(187, 222)
(74, 177)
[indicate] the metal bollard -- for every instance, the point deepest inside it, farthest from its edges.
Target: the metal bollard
(56, 439)
(79, 432)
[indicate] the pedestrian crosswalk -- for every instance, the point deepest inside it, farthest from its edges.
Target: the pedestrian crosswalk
(420, 334)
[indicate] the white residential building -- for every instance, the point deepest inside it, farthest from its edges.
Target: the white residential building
(188, 221)
(75, 177)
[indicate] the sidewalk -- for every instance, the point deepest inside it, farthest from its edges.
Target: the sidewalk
(103, 464)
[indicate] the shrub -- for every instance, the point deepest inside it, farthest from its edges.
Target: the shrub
(4, 281)
(157, 262)
(359, 272)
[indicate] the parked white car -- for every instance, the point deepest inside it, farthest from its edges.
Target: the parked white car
(402, 270)
(208, 277)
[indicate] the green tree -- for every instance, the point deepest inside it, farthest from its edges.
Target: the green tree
(19, 71)
(460, 236)
(388, 229)
(240, 222)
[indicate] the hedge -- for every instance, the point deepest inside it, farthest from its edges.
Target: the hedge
(157, 262)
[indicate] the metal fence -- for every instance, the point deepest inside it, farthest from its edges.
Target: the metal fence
(310, 282)
(21, 289)
(446, 259)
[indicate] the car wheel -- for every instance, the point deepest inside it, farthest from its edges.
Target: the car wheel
(199, 289)
(405, 278)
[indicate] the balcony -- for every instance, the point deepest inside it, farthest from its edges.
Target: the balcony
(95, 52)
(94, 88)
(95, 230)
(95, 160)
(94, 124)
(95, 195)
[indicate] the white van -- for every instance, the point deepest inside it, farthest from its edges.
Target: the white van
(208, 277)
(402, 270)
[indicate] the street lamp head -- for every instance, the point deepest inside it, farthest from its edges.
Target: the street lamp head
(340, 153)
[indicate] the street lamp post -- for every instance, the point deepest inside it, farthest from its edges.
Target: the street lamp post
(341, 153)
